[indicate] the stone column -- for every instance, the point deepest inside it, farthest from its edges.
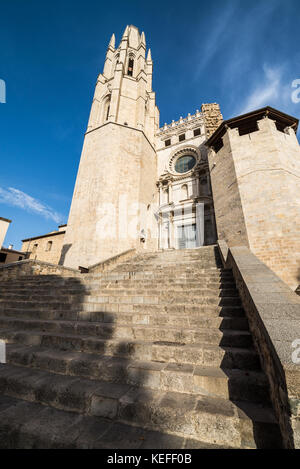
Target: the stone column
(200, 223)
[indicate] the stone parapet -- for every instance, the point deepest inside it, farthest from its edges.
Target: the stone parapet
(273, 312)
(34, 267)
(111, 262)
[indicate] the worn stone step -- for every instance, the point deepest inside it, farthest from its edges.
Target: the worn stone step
(167, 284)
(77, 394)
(96, 285)
(26, 425)
(177, 413)
(157, 276)
(46, 295)
(146, 303)
(166, 294)
(160, 314)
(163, 351)
(118, 369)
(64, 297)
(139, 303)
(111, 322)
(136, 332)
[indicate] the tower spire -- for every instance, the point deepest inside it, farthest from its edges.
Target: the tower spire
(149, 58)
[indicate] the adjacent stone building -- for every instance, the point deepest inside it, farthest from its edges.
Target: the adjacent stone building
(47, 247)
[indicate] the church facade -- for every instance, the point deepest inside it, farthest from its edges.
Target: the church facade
(183, 185)
(138, 185)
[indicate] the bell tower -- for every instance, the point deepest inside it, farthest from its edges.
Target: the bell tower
(124, 90)
(116, 179)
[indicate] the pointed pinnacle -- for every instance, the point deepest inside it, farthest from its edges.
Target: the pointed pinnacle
(143, 39)
(112, 41)
(126, 32)
(149, 58)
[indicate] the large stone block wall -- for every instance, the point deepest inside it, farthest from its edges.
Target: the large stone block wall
(117, 173)
(262, 170)
(229, 214)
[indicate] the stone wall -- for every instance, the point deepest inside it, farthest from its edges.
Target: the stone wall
(273, 312)
(229, 214)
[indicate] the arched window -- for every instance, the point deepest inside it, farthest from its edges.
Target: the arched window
(184, 192)
(130, 66)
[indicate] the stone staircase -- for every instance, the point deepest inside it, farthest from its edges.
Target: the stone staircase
(154, 354)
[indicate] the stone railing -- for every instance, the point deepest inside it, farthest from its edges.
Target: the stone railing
(174, 124)
(34, 267)
(109, 263)
(273, 312)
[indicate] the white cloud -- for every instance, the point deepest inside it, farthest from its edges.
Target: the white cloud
(264, 92)
(217, 36)
(17, 198)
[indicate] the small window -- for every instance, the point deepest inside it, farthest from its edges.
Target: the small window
(197, 132)
(35, 246)
(49, 246)
(167, 142)
(20, 258)
(130, 66)
(3, 257)
(181, 137)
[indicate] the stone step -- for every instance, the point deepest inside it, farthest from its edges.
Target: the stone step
(87, 279)
(51, 388)
(27, 425)
(188, 267)
(181, 414)
(148, 314)
(113, 321)
(152, 275)
(116, 289)
(166, 284)
(118, 369)
(133, 332)
(38, 297)
(137, 302)
(164, 351)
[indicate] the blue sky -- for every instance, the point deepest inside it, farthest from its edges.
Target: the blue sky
(241, 54)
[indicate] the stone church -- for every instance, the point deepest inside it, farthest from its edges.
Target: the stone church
(164, 313)
(183, 185)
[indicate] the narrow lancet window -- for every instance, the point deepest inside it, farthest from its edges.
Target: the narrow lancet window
(130, 66)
